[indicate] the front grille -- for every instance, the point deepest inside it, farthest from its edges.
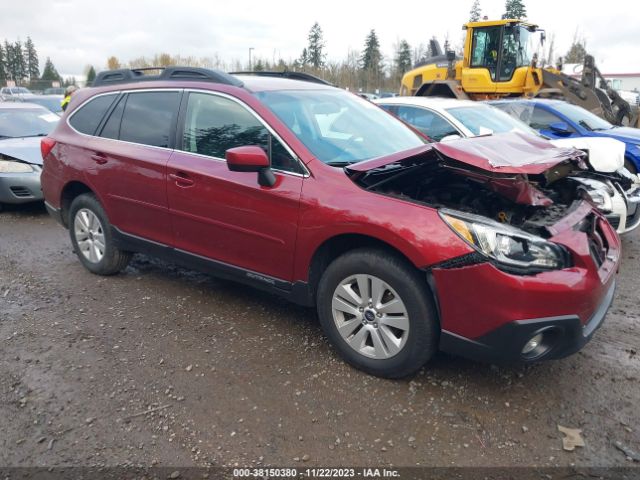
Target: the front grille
(21, 192)
(598, 246)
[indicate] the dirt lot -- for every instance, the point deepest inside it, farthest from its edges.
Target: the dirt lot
(237, 377)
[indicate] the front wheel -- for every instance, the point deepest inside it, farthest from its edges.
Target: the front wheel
(91, 237)
(377, 311)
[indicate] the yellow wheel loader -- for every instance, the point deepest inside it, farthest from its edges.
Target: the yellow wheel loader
(499, 62)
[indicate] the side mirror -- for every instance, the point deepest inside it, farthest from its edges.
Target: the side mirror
(251, 159)
(560, 128)
(482, 131)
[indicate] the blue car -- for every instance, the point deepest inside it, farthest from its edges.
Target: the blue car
(558, 119)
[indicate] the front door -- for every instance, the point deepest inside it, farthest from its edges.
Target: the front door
(224, 215)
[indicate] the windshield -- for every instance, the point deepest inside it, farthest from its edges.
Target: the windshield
(582, 117)
(22, 122)
(338, 127)
(483, 120)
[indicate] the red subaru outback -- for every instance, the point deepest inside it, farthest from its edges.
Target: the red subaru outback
(481, 247)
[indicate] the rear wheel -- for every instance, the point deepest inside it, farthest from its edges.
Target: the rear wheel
(377, 312)
(91, 237)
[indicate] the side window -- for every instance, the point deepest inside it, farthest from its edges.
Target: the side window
(390, 108)
(484, 50)
(148, 118)
(214, 124)
(111, 128)
(87, 118)
(541, 119)
(428, 122)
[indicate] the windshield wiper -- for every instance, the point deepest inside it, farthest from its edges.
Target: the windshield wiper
(37, 135)
(339, 163)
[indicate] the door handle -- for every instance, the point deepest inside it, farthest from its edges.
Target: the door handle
(181, 179)
(99, 158)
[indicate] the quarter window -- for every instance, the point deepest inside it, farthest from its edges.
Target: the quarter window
(87, 118)
(214, 124)
(541, 119)
(148, 118)
(428, 122)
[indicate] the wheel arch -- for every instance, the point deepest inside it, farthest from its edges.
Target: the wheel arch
(339, 244)
(71, 190)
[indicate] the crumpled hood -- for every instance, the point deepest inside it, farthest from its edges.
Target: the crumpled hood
(605, 154)
(510, 153)
(26, 149)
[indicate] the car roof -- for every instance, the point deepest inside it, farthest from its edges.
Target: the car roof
(430, 102)
(255, 83)
(20, 106)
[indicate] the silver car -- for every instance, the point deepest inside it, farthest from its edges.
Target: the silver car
(22, 126)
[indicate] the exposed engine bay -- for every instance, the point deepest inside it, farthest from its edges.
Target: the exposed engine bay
(529, 202)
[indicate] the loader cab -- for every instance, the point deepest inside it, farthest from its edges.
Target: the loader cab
(498, 55)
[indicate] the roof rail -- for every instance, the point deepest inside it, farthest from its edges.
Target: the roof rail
(129, 75)
(306, 77)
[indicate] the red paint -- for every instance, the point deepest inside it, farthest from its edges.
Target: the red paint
(197, 204)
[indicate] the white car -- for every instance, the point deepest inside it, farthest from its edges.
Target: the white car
(613, 188)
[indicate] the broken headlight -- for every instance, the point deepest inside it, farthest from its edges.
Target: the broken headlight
(599, 193)
(510, 248)
(7, 166)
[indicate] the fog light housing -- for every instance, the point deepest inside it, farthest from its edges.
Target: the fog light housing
(533, 343)
(539, 344)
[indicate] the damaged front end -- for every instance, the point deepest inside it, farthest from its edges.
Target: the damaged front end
(505, 199)
(19, 180)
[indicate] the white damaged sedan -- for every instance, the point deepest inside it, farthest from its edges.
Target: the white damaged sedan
(614, 189)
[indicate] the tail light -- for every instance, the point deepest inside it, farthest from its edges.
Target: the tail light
(46, 145)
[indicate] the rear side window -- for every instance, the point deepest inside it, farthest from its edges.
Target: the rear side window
(87, 118)
(149, 118)
(111, 128)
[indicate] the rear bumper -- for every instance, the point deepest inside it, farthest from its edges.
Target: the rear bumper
(55, 213)
(565, 335)
(20, 187)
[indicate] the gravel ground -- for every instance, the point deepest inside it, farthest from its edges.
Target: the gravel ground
(164, 366)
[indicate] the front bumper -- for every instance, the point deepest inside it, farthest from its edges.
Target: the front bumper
(488, 314)
(20, 187)
(505, 344)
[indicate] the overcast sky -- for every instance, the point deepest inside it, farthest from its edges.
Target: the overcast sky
(75, 33)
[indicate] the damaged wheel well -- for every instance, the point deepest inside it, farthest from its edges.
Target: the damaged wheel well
(69, 193)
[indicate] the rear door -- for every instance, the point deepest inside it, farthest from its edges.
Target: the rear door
(130, 162)
(224, 215)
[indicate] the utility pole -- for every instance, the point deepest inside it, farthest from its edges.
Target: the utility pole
(250, 49)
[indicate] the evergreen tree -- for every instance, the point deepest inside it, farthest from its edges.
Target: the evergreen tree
(476, 13)
(403, 57)
(9, 62)
(31, 59)
(514, 9)
(20, 62)
(3, 71)
(315, 54)
(49, 73)
(577, 51)
(91, 75)
(372, 57)
(304, 58)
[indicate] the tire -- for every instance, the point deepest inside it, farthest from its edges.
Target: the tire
(92, 237)
(629, 165)
(370, 343)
